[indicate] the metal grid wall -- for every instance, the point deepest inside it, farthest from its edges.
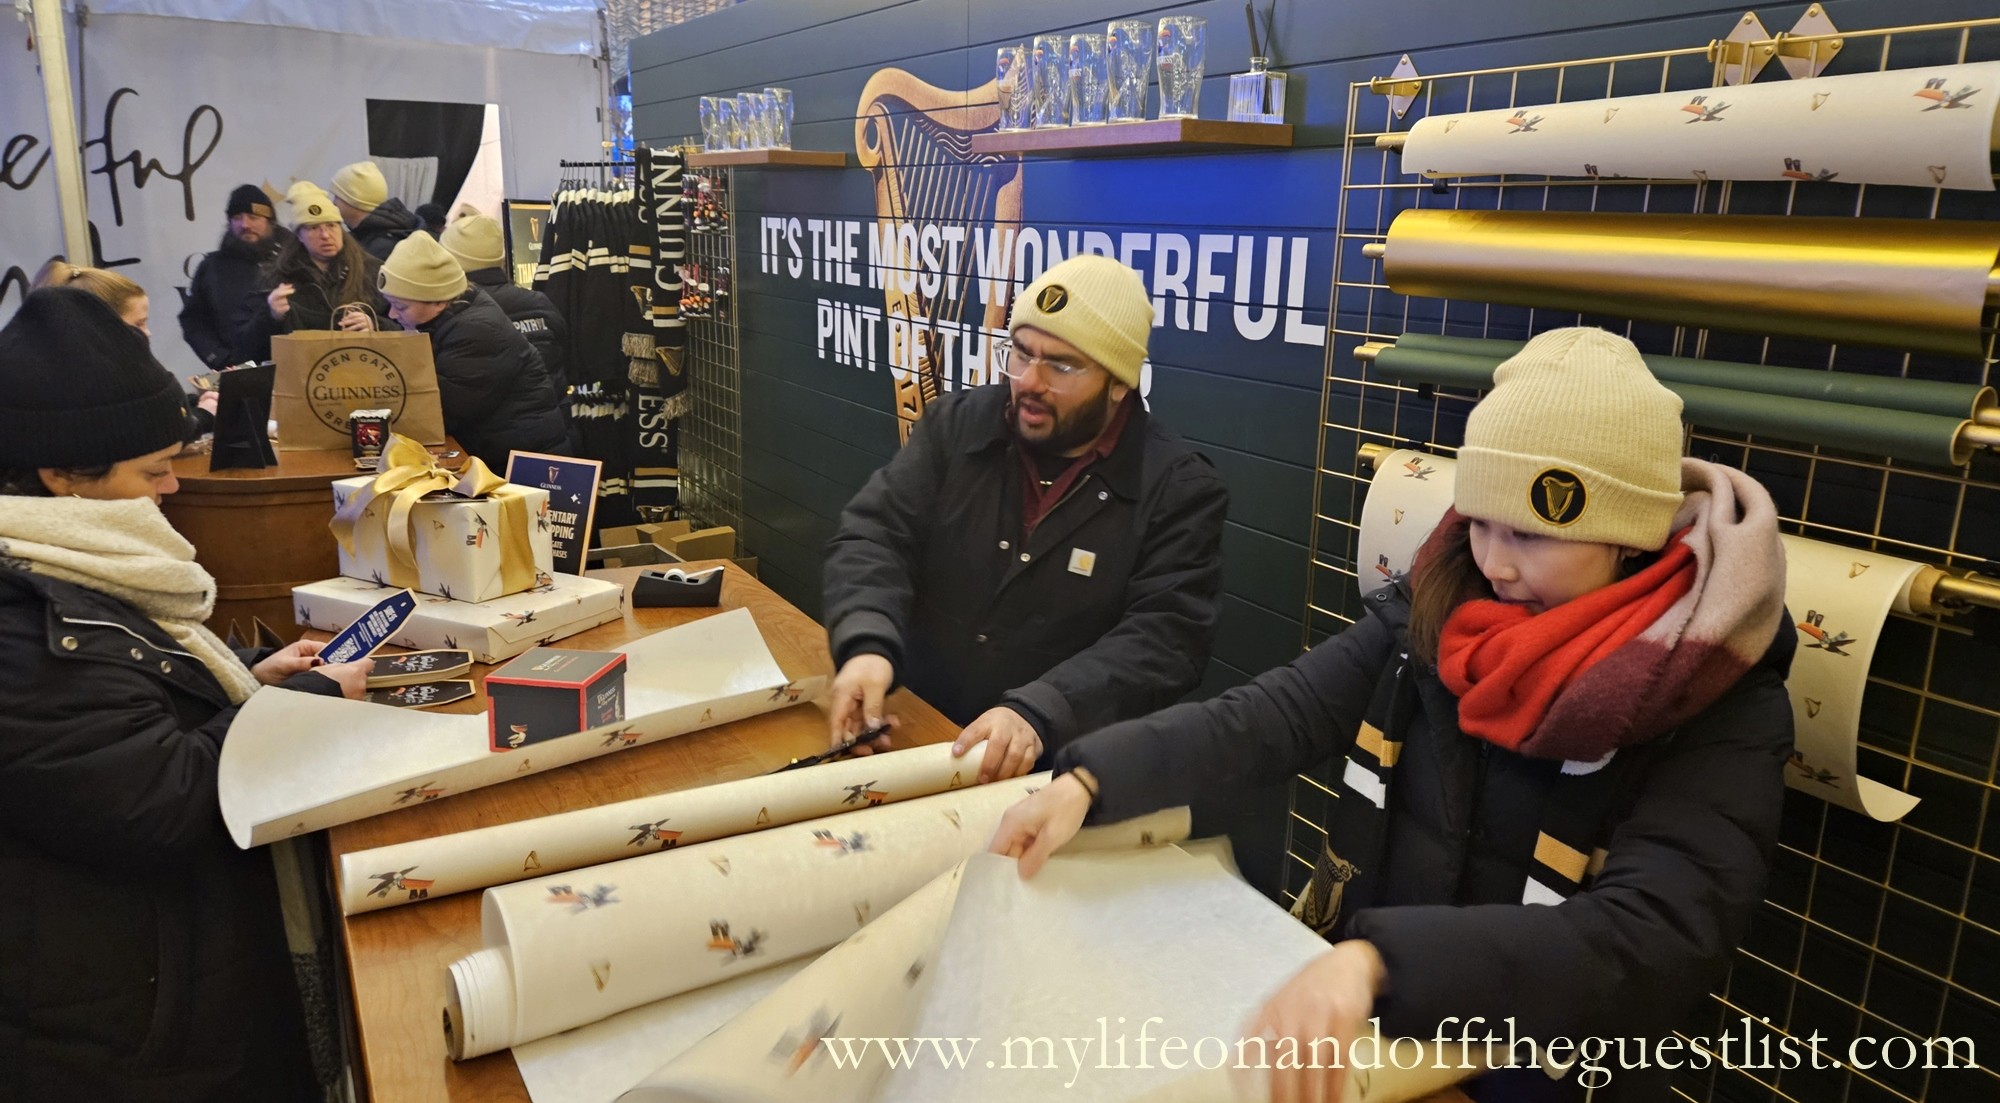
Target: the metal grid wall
(711, 441)
(1885, 930)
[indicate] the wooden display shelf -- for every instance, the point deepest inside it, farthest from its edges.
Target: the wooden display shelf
(1150, 136)
(775, 158)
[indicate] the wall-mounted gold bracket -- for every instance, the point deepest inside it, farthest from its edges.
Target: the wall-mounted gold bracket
(1807, 49)
(1402, 86)
(1740, 56)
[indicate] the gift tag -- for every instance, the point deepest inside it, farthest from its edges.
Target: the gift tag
(371, 630)
(418, 666)
(422, 695)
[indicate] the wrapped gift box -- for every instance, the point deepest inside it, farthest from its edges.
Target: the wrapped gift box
(490, 630)
(457, 542)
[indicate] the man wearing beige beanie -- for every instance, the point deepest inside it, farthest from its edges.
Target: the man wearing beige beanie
(497, 396)
(1043, 558)
(376, 218)
(320, 279)
(475, 241)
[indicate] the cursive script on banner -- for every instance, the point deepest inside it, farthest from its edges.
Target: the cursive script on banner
(145, 168)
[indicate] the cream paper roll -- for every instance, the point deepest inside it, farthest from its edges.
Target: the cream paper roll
(298, 762)
(1407, 497)
(1839, 599)
(1930, 127)
(427, 868)
(590, 943)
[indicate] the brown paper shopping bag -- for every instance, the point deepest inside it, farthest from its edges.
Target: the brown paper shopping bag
(325, 375)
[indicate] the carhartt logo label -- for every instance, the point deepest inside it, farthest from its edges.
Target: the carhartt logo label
(1082, 562)
(1557, 496)
(1052, 299)
(348, 379)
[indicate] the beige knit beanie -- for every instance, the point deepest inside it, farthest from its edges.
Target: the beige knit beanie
(361, 185)
(475, 241)
(1096, 304)
(419, 270)
(309, 206)
(1577, 441)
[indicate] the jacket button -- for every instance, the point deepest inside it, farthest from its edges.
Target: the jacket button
(1004, 545)
(1102, 495)
(69, 643)
(1382, 595)
(137, 654)
(166, 667)
(1024, 557)
(980, 638)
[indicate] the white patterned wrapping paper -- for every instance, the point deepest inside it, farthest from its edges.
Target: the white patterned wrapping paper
(574, 948)
(427, 868)
(1408, 495)
(297, 762)
(1927, 127)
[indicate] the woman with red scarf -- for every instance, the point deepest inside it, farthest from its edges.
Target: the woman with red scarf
(1559, 745)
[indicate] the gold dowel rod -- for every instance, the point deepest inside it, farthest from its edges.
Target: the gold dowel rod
(1366, 353)
(1980, 435)
(1372, 454)
(1934, 592)
(1987, 415)
(1385, 86)
(1375, 250)
(1391, 142)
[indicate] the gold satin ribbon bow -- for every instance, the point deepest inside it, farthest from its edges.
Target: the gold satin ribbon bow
(410, 473)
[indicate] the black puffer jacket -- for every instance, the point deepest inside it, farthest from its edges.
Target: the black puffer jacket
(384, 226)
(313, 293)
(536, 317)
(142, 955)
(1107, 611)
(497, 396)
(220, 301)
(1629, 956)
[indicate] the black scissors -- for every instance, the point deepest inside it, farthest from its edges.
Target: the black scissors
(834, 751)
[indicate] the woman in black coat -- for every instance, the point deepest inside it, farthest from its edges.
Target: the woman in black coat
(497, 395)
(142, 955)
(1559, 747)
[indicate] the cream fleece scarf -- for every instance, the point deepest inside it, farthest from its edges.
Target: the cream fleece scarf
(128, 550)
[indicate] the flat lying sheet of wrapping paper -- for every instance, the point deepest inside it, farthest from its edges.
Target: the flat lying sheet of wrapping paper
(577, 947)
(1408, 495)
(1076, 956)
(298, 762)
(1839, 598)
(429, 868)
(1929, 127)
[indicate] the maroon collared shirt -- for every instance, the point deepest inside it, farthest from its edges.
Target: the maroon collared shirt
(1036, 499)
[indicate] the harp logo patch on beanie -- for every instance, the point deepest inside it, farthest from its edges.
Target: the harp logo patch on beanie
(1557, 496)
(1052, 299)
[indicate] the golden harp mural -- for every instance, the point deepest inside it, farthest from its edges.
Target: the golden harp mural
(915, 139)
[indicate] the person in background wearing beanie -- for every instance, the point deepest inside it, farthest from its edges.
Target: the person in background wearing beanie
(320, 279)
(474, 240)
(219, 299)
(1043, 558)
(142, 957)
(1560, 742)
(376, 218)
(496, 394)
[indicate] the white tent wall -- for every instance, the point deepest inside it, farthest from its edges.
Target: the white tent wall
(216, 104)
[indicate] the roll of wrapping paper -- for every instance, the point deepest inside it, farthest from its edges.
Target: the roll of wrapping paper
(1919, 396)
(1919, 438)
(424, 869)
(577, 947)
(1406, 498)
(1929, 128)
(1838, 599)
(1900, 283)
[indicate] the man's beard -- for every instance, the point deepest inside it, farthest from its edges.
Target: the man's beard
(1068, 431)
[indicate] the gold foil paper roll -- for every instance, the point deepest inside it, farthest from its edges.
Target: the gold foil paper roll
(1900, 283)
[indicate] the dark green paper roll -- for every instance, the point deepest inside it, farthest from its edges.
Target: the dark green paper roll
(1905, 435)
(1921, 396)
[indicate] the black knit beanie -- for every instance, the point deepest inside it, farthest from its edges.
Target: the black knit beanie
(250, 199)
(80, 388)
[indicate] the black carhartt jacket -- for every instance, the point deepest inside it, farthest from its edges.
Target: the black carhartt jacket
(220, 299)
(536, 317)
(1628, 956)
(142, 955)
(496, 394)
(1106, 612)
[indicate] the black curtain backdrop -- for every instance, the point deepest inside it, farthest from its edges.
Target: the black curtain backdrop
(412, 128)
